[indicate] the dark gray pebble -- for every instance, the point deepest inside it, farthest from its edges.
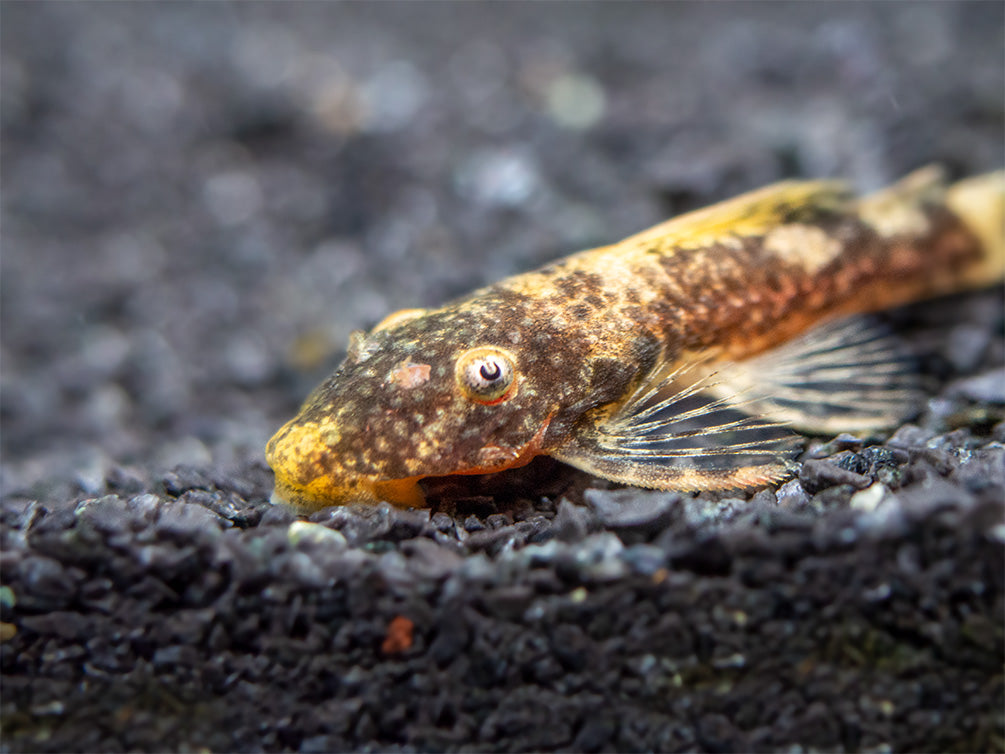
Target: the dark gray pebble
(46, 579)
(184, 478)
(843, 441)
(53, 521)
(301, 569)
(984, 388)
(983, 473)
(188, 521)
(360, 524)
(145, 507)
(508, 602)
(473, 524)
(442, 522)
(109, 514)
(431, 560)
(492, 541)
(126, 481)
(452, 635)
(910, 436)
(498, 521)
(635, 516)
(278, 515)
(644, 559)
(815, 476)
(62, 623)
(596, 733)
(572, 522)
(406, 524)
(965, 346)
(174, 658)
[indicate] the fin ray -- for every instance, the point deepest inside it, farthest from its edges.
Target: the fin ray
(668, 443)
(847, 375)
(707, 425)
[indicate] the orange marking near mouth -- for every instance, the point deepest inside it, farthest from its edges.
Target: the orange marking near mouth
(401, 492)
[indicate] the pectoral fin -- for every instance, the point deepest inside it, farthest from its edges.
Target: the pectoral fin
(686, 441)
(846, 376)
(707, 425)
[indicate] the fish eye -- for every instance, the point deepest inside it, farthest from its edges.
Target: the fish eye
(486, 374)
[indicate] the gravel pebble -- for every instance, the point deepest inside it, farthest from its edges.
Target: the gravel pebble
(189, 521)
(819, 475)
(633, 516)
(985, 388)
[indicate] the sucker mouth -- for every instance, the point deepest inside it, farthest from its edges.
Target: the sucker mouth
(298, 459)
(326, 491)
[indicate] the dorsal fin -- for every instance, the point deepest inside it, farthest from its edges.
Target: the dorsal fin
(752, 213)
(900, 208)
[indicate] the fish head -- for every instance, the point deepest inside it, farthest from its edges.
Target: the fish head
(459, 390)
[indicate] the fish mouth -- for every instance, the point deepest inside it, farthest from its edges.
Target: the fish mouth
(325, 491)
(308, 478)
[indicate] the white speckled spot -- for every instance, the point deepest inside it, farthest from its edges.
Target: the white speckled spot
(804, 245)
(896, 211)
(330, 434)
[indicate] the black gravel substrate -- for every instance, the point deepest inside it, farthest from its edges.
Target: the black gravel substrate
(200, 202)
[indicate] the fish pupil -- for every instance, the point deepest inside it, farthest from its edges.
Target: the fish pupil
(490, 371)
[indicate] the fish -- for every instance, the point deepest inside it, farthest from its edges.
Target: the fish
(684, 357)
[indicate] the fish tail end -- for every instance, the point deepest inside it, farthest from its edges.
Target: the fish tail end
(979, 202)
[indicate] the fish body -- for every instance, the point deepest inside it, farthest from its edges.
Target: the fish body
(592, 359)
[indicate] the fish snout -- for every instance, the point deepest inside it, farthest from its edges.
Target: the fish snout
(310, 476)
(306, 471)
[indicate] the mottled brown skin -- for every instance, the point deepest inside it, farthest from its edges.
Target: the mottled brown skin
(736, 279)
(370, 426)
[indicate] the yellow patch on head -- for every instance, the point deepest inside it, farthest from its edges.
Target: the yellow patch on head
(295, 453)
(306, 480)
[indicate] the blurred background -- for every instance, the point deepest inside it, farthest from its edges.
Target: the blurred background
(198, 202)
